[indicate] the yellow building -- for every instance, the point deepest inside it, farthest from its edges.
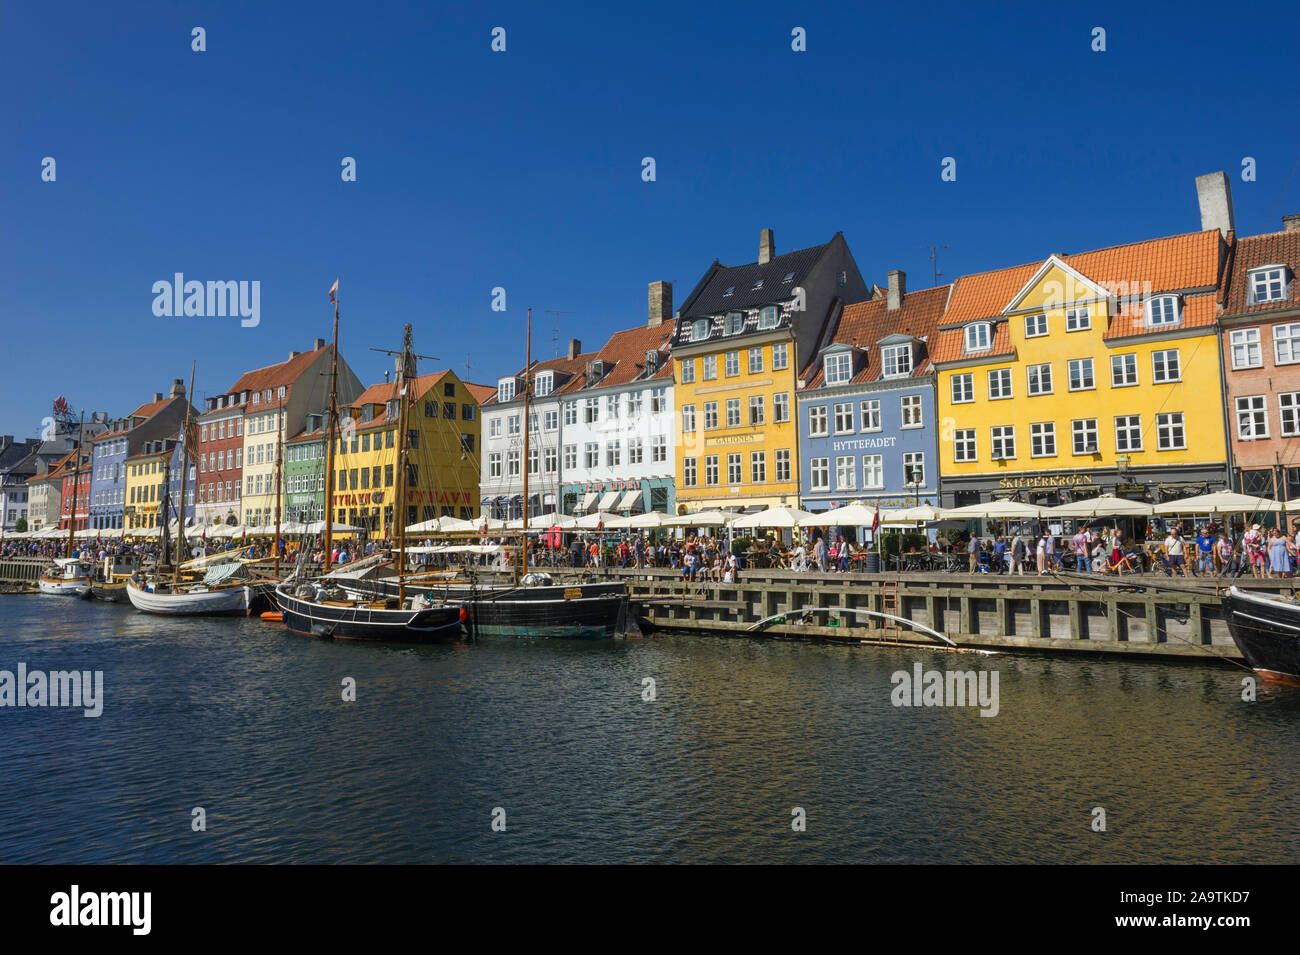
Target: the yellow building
(742, 337)
(443, 455)
(1085, 374)
(146, 491)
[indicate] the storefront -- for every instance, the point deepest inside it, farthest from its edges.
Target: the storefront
(635, 496)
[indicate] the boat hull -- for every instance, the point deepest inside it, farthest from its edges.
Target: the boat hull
(109, 593)
(207, 603)
(426, 625)
(1267, 632)
(589, 611)
(63, 586)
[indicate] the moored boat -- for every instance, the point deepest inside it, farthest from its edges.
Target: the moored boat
(1266, 629)
(547, 610)
(194, 601)
(69, 577)
(322, 612)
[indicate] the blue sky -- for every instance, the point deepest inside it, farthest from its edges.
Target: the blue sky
(522, 169)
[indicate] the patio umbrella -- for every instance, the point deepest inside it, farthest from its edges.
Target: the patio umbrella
(1220, 502)
(316, 527)
(1105, 505)
(648, 519)
(781, 517)
(920, 514)
(595, 519)
(996, 510)
(547, 521)
(700, 519)
(856, 514)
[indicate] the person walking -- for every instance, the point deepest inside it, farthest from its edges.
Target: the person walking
(821, 553)
(1081, 543)
(1018, 555)
(1204, 553)
(1041, 553)
(1279, 555)
(973, 554)
(1174, 552)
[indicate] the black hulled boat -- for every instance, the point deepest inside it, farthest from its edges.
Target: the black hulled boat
(311, 609)
(1266, 629)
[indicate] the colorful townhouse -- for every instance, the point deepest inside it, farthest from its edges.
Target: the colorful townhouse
(501, 482)
(1081, 374)
(221, 459)
(1261, 348)
(153, 485)
(279, 398)
(19, 463)
(742, 335)
(442, 455)
(74, 490)
(123, 438)
(304, 473)
(617, 426)
(868, 429)
(45, 493)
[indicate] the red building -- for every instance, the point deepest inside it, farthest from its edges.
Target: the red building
(75, 478)
(221, 459)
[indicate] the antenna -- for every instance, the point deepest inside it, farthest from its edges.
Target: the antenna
(467, 366)
(555, 332)
(934, 258)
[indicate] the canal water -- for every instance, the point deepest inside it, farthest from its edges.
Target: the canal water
(247, 721)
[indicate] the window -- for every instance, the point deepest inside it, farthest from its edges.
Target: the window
(733, 412)
(780, 356)
(590, 410)
(839, 368)
(1128, 433)
(768, 317)
(733, 468)
(658, 400)
(1035, 325)
(846, 473)
(1081, 378)
(911, 411)
(700, 330)
(613, 454)
(506, 390)
(734, 323)
(532, 460)
(611, 406)
(1268, 284)
(783, 464)
(710, 367)
(570, 412)
(755, 360)
(1083, 433)
(688, 418)
(1288, 406)
(1123, 370)
(710, 415)
(978, 337)
(1170, 435)
(551, 420)
(844, 417)
(964, 445)
(963, 388)
(757, 415)
(512, 463)
(1245, 346)
(466, 412)
(544, 384)
(711, 469)
(688, 472)
(634, 402)
(870, 415)
(1003, 442)
(1286, 344)
(758, 467)
(687, 366)
(914, 469)
(1163, 311)
(1164, 366)
(512, 424)
(1042, 440)
(819, 476)
(732, 364)
(999, 384)
(570, 457)
(817, 421)
(591, 454)
(873, 471)
(1252, 418)
(1077, 319)
(659, 448)
(781, 406)
(635, 452)
(896, 360)
(1040, 379)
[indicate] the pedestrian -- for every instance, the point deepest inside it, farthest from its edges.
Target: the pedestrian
(1204, 553)
(1018, 555)
(821, 554)
(1174, 553)
(1082, 540)
(973, 554)
(1041, 553)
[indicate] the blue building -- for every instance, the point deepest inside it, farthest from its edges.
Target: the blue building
(126, 437)
(867, 428)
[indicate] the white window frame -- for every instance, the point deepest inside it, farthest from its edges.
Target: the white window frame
(1088, 429)
(1169, 313)
(1262, 276)
(963, 388)
(818, 421)
(1166, 423)
(837, 368)
(756, 360)
(1003, 375)
(1078, 319)
(978, 337)
(1287, 334)
(892, 359)
(1288, 407)
(1160, 367)
(780, 356)
(1000, 438)
(965, 446)
(819, 474)
(1132, 431)
(1041, 432)
(1127, 363)
(1092, 374)
(915, 460)
(1034, 386)
(1240, 344)
(911, 413)
(1036, 325)
(1255, 409)
(869, 417)
(873, 472)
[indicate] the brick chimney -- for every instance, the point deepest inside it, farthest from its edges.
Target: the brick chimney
(293, 355)
(575, 348)
(1291, 223)
(1214, 195)
(897, 289)
(178, 388)
(661, 302)
(766, 246)
(318, 344)
(157, 396)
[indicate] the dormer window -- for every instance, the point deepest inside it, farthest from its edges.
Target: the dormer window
(506, 389)
(896, 360)
(735, 322)
(1268, 284)
(700, 330)
(769, 316)
(757, 285)
(731, 290)
(544, 384)
(595, 372)
(1164, 310)
(838, 367)
(789, 277)
(652, 362)
(979, 337)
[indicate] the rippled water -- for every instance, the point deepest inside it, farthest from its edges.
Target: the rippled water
(247, 721)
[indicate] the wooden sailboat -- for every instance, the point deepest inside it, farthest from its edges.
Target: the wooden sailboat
(69, 577)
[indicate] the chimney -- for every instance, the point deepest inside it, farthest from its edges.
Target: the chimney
(661, 303)
(575, 348)
(766, 246)
(157, 396)
(293, 355)
(1291, 223)
(178, 388)
(1215, 197)
(318, 344)
(897, 289)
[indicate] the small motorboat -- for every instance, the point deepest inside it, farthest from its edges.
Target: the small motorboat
(69, 577)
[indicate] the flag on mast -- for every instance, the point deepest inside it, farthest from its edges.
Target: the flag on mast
(334, 288)
(875, 519)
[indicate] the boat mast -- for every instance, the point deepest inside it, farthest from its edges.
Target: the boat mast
(523, 534)
(76, 484)
(330, 427)
(279, 459)
(185, 470)
(405, 380)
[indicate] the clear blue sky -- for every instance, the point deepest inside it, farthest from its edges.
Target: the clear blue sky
(523, 169)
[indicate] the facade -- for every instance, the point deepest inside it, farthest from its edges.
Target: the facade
(45, 494)
(1261, 349)
(617, 423)
(153, 484)
(19, 463)
(159, 419)
(74, 490)
(442, 456)
(280, 397)
(304, 473)
(1088, 373)
(501, 481)
(867, 420)
(742, 335)
(221, 459)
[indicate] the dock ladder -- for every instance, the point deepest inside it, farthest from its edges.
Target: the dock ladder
(889, 601)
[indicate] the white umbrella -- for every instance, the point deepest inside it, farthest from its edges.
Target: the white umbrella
(777, 517)
(648, 519)
(425, 527)
(700, 519)
(856, 514)
(1220, 502)
(1012, 510)
(491, 523)
(920, 514)
(318, 527)
(547, 521)
(1105, 505)
(595, 519)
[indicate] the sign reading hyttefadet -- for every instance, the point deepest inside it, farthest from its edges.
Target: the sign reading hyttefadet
(83, 689)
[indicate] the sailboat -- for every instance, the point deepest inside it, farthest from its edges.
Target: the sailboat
(70, 576)
(324, 608)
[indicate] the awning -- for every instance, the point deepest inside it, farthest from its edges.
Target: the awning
(607, 502)
(588, 499)
(630, 500)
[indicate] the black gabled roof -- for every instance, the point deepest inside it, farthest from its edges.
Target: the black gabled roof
(709, 296)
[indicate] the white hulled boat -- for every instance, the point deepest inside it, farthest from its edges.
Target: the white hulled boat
(70, 577)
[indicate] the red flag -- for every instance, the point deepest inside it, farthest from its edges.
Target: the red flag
(334, 288)
(875, 520)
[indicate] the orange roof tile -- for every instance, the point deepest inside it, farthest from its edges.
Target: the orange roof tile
(624, 356)
(865, 323)
(481, 393)
(950, 344)
(1274, 248)
(387, 391)
(273, 376)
